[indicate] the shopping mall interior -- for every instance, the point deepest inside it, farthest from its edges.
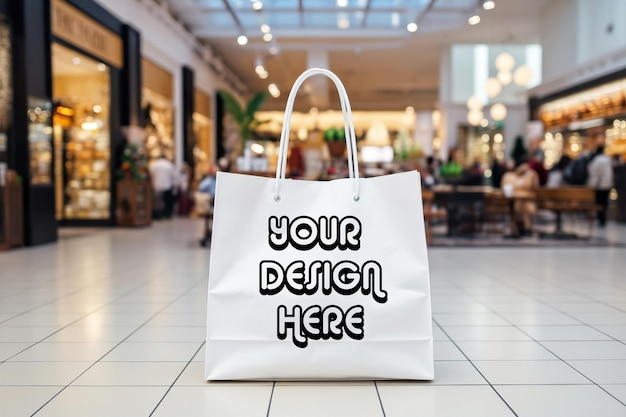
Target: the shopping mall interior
(147, 152)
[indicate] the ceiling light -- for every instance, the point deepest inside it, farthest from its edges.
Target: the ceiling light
(263, 75)
(343, 22)
(489, 5)
(505, 61)
(257, 5)
(498, 112)
(493, 87)
(97, 108)
(102, 67)
(522, 75)
(259, 69)
(474, 117)
(484, 123)
(410, 110)
(242, 40)
(274, 91)
(474, 103)
(412, 27)
(342, 3)
(505, 77)
(474, 20)
(76, 60)
(274, 50)
(265, 28)
(257, 148)
(267, 37)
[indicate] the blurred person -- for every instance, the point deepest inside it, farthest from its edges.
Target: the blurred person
(473, 175)
(428, 179)
(600, 169)
(577, 172)
(555, 175)
(207, 184)
(204, 199)
(432, 165)
(295, 162)
(535, 151)
(165, 180)
(537, 166)
(498, 169)
(184, 187)
(522, 179)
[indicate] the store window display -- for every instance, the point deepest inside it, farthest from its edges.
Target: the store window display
(157, 100)
(82, 138)
(6, 90)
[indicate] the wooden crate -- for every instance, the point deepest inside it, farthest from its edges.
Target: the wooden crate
(134, 203)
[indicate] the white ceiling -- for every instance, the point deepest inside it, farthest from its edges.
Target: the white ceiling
(383, 66)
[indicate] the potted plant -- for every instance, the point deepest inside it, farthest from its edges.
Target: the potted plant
(336, 141)
(244, 117)
(134, 192)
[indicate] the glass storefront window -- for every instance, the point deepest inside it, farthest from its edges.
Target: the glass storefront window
(159, 121)
(40, 140)
(82, 138)
(6, 90)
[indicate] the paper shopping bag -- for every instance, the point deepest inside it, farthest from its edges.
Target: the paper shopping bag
(319, 279)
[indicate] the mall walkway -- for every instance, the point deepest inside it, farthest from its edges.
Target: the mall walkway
(112, 324)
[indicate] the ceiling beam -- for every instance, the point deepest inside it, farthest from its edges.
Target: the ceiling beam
(366, 12)
(422, 13)
(233, 15)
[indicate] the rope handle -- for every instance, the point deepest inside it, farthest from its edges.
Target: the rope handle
(348, 124)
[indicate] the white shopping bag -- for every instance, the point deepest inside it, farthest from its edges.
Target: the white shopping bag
(319, 279)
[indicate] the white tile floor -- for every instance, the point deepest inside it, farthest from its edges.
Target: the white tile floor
(112, 324)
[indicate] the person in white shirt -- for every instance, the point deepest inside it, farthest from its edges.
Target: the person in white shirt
(600, 170)
(164, 179)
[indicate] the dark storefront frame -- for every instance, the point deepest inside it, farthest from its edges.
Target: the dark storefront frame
(30, 22)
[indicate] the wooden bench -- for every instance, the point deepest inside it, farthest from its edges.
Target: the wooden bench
(497, 210)
(431, 213)
(570, 199)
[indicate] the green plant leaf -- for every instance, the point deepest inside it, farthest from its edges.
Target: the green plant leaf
(232, 106)
(255, 103)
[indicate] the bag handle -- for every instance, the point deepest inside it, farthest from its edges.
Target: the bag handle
(348, 125)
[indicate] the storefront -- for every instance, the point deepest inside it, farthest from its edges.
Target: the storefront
(157, 100)
(569, 117)
(203, 153)
(6, 85)
(85, 82)
(69, 79)
(572, 117)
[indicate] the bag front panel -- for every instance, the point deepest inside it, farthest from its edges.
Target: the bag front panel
(341, 306)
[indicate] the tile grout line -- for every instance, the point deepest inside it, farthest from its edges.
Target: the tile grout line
(269, 405)
(523, 292)
(118, 344)
(111, 302)
(176, 379)
(535, 340)
(477, 370)
(380, 399)
(73, 322)
(52, 301)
